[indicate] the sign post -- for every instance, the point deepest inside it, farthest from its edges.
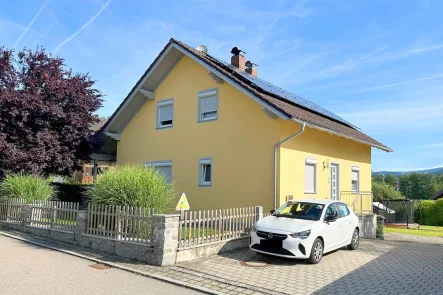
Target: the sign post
(183, 203)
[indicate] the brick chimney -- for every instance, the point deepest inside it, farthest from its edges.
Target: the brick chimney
(238, 59)
(251, 68)
(252, 71)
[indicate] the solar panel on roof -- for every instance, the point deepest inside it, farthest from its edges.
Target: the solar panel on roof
(275, 90)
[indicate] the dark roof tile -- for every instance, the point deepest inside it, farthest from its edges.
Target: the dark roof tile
(287, 108)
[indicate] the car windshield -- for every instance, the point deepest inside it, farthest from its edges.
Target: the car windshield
(300, 210)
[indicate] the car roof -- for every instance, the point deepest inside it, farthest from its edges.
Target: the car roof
(318, 201)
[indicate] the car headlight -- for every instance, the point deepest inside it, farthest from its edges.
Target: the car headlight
(254, 229)
(301, 235)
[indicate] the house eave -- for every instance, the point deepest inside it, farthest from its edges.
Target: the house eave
(383, 148)
(115, 136)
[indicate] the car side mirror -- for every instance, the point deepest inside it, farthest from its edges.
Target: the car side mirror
(272, 211)
(330, 218)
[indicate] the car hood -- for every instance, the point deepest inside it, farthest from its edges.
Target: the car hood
(284, 224)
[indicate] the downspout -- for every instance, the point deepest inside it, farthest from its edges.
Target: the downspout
(276, 146)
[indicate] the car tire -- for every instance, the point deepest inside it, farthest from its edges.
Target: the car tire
(316, 252)
(355, 240)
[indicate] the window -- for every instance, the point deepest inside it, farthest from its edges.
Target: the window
(300, 210)
(205, 178)
(343, 210)
(331, 211)
(207, 105)
(164, 167)
(165, 110)
(355, 179)
(310, 176)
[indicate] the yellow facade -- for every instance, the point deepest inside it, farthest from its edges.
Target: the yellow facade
(240, 143)
(326, 149)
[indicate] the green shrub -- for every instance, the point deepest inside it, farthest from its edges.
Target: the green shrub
(439, 212)
(379, 233)
(133, 186)
(430, 213)
(29, 187)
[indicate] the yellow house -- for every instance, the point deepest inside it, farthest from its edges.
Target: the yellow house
(229, 139)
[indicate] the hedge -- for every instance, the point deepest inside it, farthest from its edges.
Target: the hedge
(72, 192)
(430, 213)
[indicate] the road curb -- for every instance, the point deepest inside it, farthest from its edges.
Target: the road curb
(114, 265)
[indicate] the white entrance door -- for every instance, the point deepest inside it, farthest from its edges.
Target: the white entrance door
(334, 182)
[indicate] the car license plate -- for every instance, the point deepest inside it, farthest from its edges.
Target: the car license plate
(271, 244)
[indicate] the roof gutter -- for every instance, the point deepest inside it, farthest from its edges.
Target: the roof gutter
(276, 146)
(383, 148)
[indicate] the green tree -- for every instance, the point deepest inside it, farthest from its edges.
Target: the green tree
(390, 180)
(383, 191)
(377, 178)
(420, 185)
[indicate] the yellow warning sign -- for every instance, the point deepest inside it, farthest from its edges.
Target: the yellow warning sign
(182, 203)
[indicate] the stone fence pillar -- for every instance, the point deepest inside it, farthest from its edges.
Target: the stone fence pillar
(25, 216)
(368, 226)
(258, 213)
(81, 226)
(164, 238)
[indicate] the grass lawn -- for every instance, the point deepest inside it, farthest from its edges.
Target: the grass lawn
(425, 230)
(203, 231)
(60, 221)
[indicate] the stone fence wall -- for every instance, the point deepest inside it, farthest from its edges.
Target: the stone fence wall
(162, 250)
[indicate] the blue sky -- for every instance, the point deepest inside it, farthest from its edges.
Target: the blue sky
(378, 64)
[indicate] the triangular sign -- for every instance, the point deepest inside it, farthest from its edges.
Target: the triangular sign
(182, 203)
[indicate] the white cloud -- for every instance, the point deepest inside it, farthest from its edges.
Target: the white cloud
(31, 23)
(407, 169)
(375, 57)
(404, 82)
(393, 116)
(85, 25)
(431, 145)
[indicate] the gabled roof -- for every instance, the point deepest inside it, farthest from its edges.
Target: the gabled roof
(438, 195)
(97, 126)
(278, 104)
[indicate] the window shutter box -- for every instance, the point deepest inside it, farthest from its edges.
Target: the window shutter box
(165, 113)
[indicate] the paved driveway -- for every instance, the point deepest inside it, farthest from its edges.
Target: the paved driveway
(377, 267)
(28, 269)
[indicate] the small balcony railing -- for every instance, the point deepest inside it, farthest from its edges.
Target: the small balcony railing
(359, 201)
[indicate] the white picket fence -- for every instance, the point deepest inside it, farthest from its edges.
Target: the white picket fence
(44, 214)
(202, 227)
(54, 215)
(11, 210)
(120, 222)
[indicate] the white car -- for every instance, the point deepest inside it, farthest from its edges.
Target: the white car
(306, 229)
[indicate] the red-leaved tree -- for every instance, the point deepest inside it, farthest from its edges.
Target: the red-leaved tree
(45, 114)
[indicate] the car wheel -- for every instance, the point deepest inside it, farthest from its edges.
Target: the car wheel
(355, 240)
(316, 252)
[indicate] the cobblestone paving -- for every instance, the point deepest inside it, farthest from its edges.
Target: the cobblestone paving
(398, 265)
(209, 283)
(413, 238)
(377, 267)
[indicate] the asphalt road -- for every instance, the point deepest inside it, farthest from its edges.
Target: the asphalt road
(28, 269)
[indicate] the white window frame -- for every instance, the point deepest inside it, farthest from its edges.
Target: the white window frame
(201, 167)
(165, 103)
(201, 96)
(356, 169)
(159, 164)
(311, 162)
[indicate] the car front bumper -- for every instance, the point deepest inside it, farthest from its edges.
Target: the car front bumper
(295, 248)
